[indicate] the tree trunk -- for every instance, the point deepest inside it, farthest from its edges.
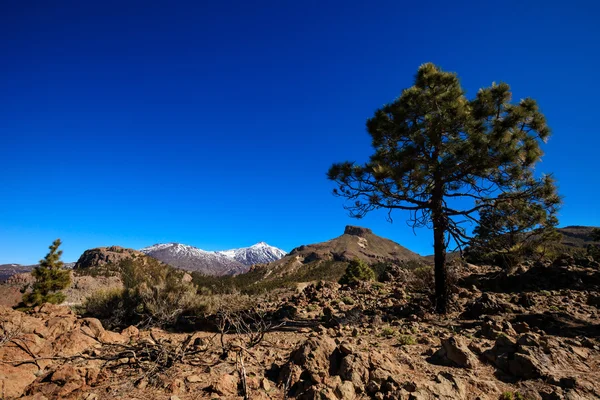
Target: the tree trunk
(439, 248)
(441, 287)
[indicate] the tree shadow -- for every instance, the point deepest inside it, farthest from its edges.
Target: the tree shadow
(559, 324)
(535, 279)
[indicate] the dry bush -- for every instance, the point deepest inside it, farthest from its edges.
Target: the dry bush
(10, 330)
(423, 278)
(154, 295)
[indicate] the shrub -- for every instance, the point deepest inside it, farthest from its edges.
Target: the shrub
(388, 331)
(423, 278)
(154, 294)
(112, 307)
(357, 271)
(406, 340)
(512, 396)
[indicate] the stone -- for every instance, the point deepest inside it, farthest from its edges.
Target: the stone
(346, 348)
(265, 384)
(225, 385)
(456, 352)
(486, 304)
(193, 379)
(176, 386)
(131, 332)
(345, 391)
(65, 374)
(355, 370)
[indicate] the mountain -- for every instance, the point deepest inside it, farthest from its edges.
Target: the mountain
(577, 236)
(355, 242)
(260, 253)
(228, 262)
(574, 238)
(8, 270)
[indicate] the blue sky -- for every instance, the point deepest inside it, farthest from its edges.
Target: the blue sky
(214, 123)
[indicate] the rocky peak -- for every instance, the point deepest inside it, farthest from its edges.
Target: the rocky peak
(105, 255)
(357, 231)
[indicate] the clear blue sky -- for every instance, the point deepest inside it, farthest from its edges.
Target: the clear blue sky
(214, 123)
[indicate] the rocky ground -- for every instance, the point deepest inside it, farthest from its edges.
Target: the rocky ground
(532, 333)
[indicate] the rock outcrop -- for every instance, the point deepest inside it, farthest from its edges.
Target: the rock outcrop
(105, 255)
(34, 344)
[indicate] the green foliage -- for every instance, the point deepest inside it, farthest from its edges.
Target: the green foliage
(380, 270)
(510, 232)
(254, 282)
(593, 250)
(347, 300)
(406, 340)
(512, 396)
(433, 145)
(154, 294)
(388, 331)
(357, 271)
(50, 278)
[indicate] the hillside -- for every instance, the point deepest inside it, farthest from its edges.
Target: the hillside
(355, 242)
(576, 236)
(8, 270)
(320, 261)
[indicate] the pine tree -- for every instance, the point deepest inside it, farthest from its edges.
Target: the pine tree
(357, 271)
(50, 279)
(511, 231)
(593, 250)
(444, 158)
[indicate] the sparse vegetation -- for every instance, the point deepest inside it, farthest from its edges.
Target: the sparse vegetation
(153, 295)
(388, 331)
(512, 396)
(50, 279)
(406, 340)
(593, 250)
(253, 282)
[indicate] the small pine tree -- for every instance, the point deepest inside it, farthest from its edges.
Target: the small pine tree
(50, 279)
(511, 231)
(357, 271)
(593, 250)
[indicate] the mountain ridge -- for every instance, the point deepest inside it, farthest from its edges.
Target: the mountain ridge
(226, 262)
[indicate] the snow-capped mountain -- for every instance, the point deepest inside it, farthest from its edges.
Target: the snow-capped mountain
(229, 262)
(260, 253)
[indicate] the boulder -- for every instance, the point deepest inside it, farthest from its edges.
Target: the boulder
(224, 385)
(486, 304)
(455, 352)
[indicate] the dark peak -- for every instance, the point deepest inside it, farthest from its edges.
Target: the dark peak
(356, 230)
